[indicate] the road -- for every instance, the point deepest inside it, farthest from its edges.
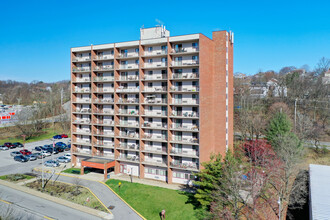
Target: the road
(9, 166)
(27, 206)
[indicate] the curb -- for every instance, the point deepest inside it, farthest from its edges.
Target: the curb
(60, 201)
(123, 200)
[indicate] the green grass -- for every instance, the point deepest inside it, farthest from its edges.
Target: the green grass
(16, 177)
(75, 171)
(149, 201)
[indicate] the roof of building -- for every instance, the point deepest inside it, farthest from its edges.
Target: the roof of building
(319, 191)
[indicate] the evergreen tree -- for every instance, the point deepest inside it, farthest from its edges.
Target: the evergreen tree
(279, 125)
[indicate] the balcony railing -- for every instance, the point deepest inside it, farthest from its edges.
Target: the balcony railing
(128, 101)
(129, 146)
(184, 89)
(109, 89)
(155, 101)
(87, 90)
(185, 50)
(81, 59)
(185, 127)
(128, 158)
(101, 154)
(187, 63)
(159, 162)
(129, 124)
(155, 89)
(101, 132)
(103, 122)
(131, 66)
(185, 115)
(184, 165)
(123, 55)
(127, 89)
(83, 131)
(82, 121)
(126, 112)
(104, 57)
(154, 65)
(103, 143)
(185, 76)
(104, 68)
(104, 111)
(103, 78)
(155, 113)
(84, 110)
(83, 79)
(78, 140)
(155, 53)
(185, 140)
(155, 149)
(183, 102)
(129, 78)
(81, 69)
(129, 135)
(184, 152)
(154, 125)
(154, 77)
(83, 100)
(155, 137)
(87, 152)
(105, 101)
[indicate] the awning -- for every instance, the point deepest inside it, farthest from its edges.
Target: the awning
(98, 163)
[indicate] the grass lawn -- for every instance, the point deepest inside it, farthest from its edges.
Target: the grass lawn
(73, 193)
(149, 201)
(75, 171)
(16, 177)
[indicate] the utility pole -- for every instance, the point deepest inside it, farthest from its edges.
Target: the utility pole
(295, 113)
(23, 135)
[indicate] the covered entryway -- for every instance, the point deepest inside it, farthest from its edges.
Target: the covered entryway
(103, 164)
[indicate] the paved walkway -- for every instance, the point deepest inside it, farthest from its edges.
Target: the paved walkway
(120, 210)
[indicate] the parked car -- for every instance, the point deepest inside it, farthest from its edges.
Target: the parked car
(18, 144)
(64, 136)
(51, 163)
(58, 149)
(67, 148)
(57, 137)
(45, 153)
(15, 153)
(21, 158)
(9, 145)
(38, 148)
(4, 148)
(60, 144)
(44, 148)
(63, 159)
(25, 152)
(67, 156)
(31, 157)
(39, 155)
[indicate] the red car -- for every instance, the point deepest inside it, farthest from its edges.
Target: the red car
(64, 136)
(25, 152)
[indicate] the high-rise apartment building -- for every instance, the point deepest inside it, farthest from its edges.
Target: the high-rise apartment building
(154, 108)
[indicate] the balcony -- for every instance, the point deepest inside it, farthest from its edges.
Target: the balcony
(129, 66)
(185, 64)
(185, 76)
(189, 141)
(180, 89)
(104, 144)
(184, 102)
(79, 141)
(185, 115)
(185, 50)
(105, 155)
(81, 59)
(128, 124)
(82, 131)
(104, 111)
(82, 121)
(104, 90)
(103, 78)
(81, 69)
(104, 68)
(104, 57)
(160, 162)
(129, 78)
(155, 101)
(151, 137)
(126, 146)
(156, 150)
(128, 55)
(78, 90)
(154, 77)
(162, 126)
(128, 90)
(128, 158)
(128, 113)
(78, 100)
(103, 101)
(182, 152)
(154, 65)
(185, 166)
(105, 133)
(103, 122)
(155, 53)
(82, 111)
(155, 89)
(82, 152)
(83, 79)
(184, 127)
(128, 101)
(155, 113)
(132, 135)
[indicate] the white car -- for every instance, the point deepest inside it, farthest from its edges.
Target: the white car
(45, 153)
(4, 148)
(67, 155)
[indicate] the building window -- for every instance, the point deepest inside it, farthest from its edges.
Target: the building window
(195, 45)
(195, 58)
(164, 48)
(136, 50)
(150, 49)
(150, 61)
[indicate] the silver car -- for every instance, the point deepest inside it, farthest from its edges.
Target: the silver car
(15, 153)
(31, 157)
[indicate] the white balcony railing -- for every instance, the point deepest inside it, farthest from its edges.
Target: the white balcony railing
(155, 89)
(81, 59)
(154, 65)
(103, 78)
(83, 100)
(129, 89)
(185, 76)
(184, 89)
(154, 125)
(155, 77)
(155, 113)
(129, 78)
(82, 90)
(81, 69)
(123, 55)
(185, 127)
(104, 57)
(129, 66)
(83, 79)
(183, 102)
(101, 68)
(186, 63)
(155, 52)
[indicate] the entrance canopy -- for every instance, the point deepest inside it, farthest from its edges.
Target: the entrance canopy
(98, 163)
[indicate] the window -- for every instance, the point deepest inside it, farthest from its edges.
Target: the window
(195, 58)
(150, 61)
(162, 172)
(186, 176)
(164, 48)
(136, 61)
(164, 60)
(195, 70)
(150, 49)
(111, 52)
(136, 50)
(150, 108)
(195, 45)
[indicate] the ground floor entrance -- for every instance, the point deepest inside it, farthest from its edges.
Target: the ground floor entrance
(97, 163)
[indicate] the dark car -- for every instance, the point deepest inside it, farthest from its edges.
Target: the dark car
(59, 149)
(43, 148)
(9, 145)
(25, 152)
(21, 158)
(67, 148)
(38, 148)
(64, 136)
(60, 144)
(18, 144)
(57, 137)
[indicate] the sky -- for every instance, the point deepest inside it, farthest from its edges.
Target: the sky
(36, 36)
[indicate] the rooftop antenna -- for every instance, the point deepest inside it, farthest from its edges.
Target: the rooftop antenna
(161, 24)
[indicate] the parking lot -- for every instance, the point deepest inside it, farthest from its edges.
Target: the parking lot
(8, 165)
